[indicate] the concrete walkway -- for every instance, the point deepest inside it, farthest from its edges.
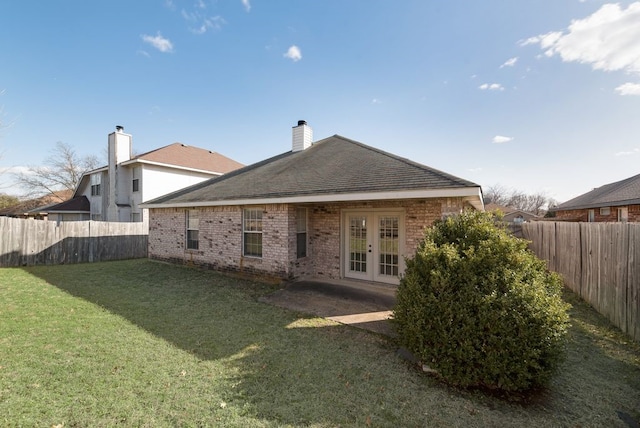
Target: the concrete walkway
(360, 304)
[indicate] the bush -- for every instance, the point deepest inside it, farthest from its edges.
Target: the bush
(478, 307)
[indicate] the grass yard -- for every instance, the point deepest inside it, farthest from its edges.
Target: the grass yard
(140, 343)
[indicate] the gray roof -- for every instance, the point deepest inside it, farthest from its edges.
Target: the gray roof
(624, 192)
(333, 166)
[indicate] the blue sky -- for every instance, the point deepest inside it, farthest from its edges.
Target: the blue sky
(535, 95)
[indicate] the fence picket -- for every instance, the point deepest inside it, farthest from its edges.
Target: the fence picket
(599, 261)
(33, 242)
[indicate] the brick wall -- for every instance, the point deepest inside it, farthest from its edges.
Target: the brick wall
(583, 215)
(220, 236)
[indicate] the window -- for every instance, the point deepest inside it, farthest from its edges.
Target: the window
(605, 211)
(301, 232)
(136, 179)
(193, 224)
(519, 219)
(623, 214)
(592, 216)
(95, 184)
(252, 232)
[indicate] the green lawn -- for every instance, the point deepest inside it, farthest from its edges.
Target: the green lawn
(139, 343)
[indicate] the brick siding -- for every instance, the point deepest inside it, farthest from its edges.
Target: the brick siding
(220, 236)
(583, 214)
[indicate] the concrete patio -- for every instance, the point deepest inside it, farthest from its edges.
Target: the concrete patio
(361, 304)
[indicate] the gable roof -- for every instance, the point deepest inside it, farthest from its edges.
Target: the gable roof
(332, 169)
(75, 205)
(507, 210)
(181, 155)
(623, 192)
(33, 205)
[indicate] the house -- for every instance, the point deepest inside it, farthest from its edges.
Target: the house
(619, 201)
(331, 209)
(512, 215)
(36, 208)
(114, 192)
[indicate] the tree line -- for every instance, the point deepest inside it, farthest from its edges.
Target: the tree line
(535, 203)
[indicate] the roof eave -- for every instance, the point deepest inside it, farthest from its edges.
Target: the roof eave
(172, 166)
(599, 205)
(473, 195)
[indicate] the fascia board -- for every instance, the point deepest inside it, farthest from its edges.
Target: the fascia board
(473, 195)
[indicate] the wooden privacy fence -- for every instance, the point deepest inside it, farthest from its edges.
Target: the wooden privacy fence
(598, 261)
(36, 242)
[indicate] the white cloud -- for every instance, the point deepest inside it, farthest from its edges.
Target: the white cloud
(629, 89)
(158, 42)
(200, 24)
(500, 139)
(629, 153)
(247, 5)
(293, 53)
(376, 101)
(510, 62)
(491, 87)
(607, 39)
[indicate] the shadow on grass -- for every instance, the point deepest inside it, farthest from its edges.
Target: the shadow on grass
(287, 371)
(209, 315)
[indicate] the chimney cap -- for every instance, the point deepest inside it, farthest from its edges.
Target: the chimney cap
(302, 122)
(119, 128)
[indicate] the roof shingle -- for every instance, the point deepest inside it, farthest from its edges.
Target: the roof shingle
(179, 154)
(623, 192)
(335, 165)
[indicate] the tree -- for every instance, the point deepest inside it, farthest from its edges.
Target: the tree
(8, 200)
(62, 170)
(536, 203)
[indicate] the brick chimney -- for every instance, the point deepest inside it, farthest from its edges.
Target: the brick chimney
(302, 136)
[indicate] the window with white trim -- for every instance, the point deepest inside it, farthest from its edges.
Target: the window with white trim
(301, 232)
(193, 227)
(605, 210)
(252, 232)
(623, 214)
(592, 216)
(95, 184)
(135, 184)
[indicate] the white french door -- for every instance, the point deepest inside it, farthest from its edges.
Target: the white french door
(373, 247)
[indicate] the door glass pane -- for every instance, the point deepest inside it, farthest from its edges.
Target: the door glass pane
(388, 243)
(358, 244)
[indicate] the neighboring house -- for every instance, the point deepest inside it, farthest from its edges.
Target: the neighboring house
(115, 192)
(619, 201)
(332, 209)
(512, 215)
(36, 208)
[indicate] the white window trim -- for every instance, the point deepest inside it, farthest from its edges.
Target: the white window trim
(306, 231)
(260, 232)
(188, 217)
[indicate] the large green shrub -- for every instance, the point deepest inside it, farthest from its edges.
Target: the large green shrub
(478, 307)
